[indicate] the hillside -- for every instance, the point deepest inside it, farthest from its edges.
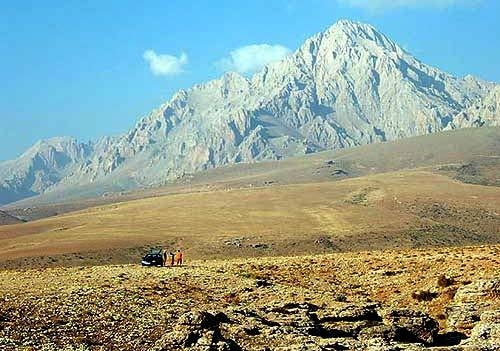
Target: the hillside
(405, 209)
(6, 218)
(348, 85)
(471, 155)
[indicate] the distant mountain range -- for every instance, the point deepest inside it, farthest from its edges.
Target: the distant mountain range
(349, 85)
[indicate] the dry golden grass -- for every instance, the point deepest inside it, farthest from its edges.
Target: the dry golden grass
(400, 209)
(469, 154)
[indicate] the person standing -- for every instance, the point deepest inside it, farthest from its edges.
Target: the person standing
(178, 257)
(172, 259)
(164, 258)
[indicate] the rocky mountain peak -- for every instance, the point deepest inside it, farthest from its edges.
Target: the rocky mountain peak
(346, 35)
(357, 31)
(348, 85)
(57, 150)
(58, 143)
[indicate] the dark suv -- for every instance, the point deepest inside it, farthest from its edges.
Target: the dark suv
(153, 258)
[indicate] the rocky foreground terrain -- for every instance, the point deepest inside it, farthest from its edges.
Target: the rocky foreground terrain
(439, 299)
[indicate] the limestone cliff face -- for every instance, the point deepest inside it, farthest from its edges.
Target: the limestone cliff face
(484, 112)
(41, 167)
(346, 86)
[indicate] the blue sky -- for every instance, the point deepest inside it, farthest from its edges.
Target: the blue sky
(93, 68)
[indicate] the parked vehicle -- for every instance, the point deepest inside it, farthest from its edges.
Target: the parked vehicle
(153, 258)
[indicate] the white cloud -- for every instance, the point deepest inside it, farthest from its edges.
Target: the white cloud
(378, 5)
(165, 65)
(251, 58)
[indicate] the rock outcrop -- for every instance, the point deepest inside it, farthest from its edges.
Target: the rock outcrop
(486, 333)
(349, 85)
(199, 330)
(304, 326)
(483, 112)
(470, 302)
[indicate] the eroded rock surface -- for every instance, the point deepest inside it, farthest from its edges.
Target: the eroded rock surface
(470, 302)
(348, 326)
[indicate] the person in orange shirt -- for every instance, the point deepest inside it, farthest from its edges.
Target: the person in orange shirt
(178, 257)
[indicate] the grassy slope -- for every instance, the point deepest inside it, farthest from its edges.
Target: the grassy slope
(302, 210)
(480, 146)
(400, 209)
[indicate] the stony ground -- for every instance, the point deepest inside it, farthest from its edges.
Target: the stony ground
(324, 302)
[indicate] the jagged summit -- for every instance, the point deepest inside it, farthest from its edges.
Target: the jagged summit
(57, 143)
(359, 31)
(348, 85)
(346, 34)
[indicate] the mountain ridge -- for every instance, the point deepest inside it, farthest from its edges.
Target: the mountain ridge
(349, 85)
(470, 155)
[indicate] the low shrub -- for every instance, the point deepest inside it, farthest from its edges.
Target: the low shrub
(444, 281)
(424, 295)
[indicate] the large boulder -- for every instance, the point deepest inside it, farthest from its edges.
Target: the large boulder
(199, 331)
(469, 302)
(485, 335)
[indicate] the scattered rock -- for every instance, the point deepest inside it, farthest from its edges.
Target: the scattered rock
(252, 331)
(259, 246)
(125, 307)
(381, 331)
(325, 241)
(293, 307)
(340, 297)
(203, 319)
(237, 242)
(391, 273)
(262, 283)
(339, 172)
